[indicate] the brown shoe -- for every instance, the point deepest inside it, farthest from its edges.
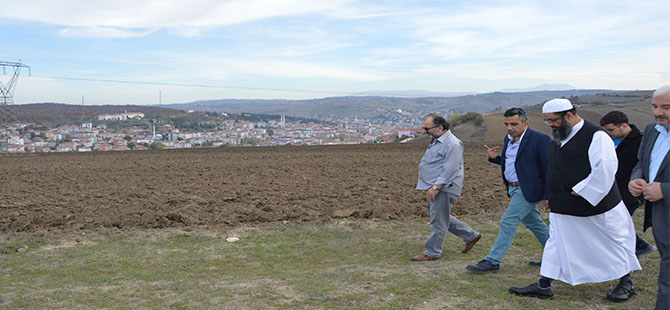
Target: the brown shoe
(423, 258)
(470, 244)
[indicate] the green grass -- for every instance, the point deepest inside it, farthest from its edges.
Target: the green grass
(337, 265)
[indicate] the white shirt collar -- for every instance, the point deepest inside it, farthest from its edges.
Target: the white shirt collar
(661, 129)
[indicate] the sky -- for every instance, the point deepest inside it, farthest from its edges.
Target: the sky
(151, 51)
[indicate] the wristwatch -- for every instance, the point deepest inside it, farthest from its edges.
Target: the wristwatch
(436, 188)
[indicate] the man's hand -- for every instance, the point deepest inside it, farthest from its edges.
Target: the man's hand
(545, 205)
(493, 151)
(652, 191)
(431, 194)
(635, 186)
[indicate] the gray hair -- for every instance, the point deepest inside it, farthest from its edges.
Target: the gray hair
(662, 91)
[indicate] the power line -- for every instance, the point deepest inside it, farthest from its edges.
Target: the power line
(192, 85)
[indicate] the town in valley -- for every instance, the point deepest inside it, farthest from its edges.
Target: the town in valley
(146, 134)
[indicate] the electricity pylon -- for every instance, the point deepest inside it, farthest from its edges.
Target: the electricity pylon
(7, 113)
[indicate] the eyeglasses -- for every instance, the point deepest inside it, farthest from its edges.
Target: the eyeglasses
(550, 121)
(429, 128)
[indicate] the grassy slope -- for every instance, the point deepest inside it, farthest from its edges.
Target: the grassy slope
(639, 115)
(335, 265)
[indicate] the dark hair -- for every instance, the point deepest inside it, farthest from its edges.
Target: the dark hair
(614, 117)
(438, 120)
(517, 111)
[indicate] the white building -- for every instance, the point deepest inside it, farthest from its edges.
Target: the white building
(120, 117)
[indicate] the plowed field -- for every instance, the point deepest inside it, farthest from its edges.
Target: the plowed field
(227, 187)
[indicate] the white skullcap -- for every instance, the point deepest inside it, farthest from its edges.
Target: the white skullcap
(557, 105)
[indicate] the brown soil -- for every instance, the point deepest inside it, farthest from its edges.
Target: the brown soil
(227, 187)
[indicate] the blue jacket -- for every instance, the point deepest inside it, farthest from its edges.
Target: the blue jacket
(532, 164)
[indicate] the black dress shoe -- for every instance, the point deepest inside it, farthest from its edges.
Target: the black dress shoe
(532, 290)
(483, 266)
(536, 263)
(644, 251)
(621, 292)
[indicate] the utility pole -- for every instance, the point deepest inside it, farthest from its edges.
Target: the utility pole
(7, 112)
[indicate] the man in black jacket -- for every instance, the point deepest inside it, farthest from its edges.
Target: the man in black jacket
(627, 139)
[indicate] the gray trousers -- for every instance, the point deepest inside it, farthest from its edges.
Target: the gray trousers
(442, 222)
(660, 228)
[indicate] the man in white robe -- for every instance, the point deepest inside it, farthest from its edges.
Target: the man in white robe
(591, 236)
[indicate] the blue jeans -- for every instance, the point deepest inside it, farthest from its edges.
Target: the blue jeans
(442, 222)
(518, 211)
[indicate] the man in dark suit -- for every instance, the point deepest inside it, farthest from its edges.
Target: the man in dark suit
(651, 179)
(627, 140)
(524, 165)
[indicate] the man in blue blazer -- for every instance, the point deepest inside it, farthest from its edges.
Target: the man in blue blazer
(524, 163)
(651, 179)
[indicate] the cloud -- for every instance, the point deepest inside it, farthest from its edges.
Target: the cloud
(504, 29)
(355, 44)
(102, 32)
(129, 18)
(214, 69)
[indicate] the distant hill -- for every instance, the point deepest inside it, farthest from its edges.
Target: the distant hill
(54, 114)
(57, 114)
(540, 88)
(411, 93)
(381, 107)
(469, 131)
(635, 104)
